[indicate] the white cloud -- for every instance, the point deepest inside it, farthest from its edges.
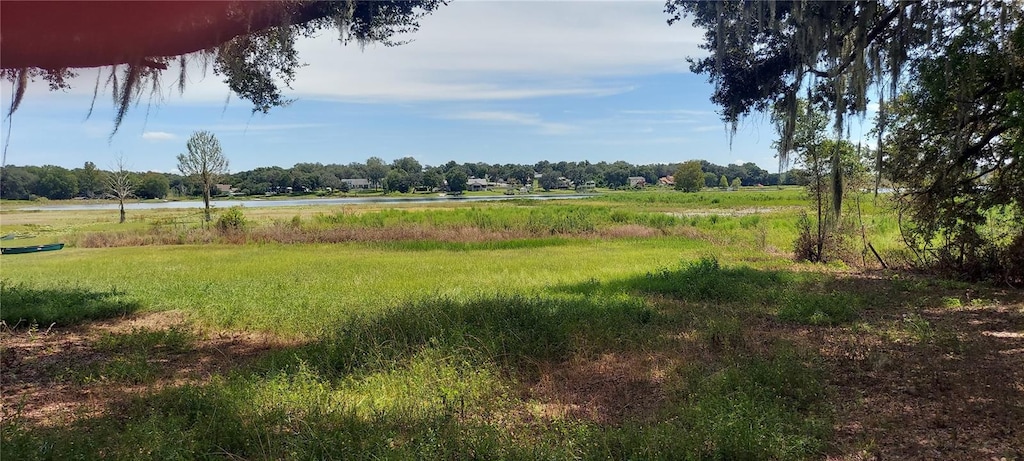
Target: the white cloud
(158, 136)
(503, 50)
(513, 118)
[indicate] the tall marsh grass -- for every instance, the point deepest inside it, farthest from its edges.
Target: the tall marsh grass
(746, 197)
(789, 296)
(467, 225)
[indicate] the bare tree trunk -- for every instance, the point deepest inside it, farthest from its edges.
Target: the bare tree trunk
(206, 202)
(122, 210)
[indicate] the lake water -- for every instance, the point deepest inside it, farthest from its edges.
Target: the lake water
(259, 203)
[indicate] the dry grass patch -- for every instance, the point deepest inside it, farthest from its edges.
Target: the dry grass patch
(57, 375)
(606, 389)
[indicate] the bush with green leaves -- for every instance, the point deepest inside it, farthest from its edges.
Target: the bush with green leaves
(231, 219)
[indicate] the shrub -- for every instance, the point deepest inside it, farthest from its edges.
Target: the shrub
(231, 219)
(823, 242)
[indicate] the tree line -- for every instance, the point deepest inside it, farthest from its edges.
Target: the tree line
(402, 175)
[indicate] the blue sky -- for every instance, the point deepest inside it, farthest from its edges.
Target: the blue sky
(490, 81)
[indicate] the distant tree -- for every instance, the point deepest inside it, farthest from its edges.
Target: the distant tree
(616, 176)
(303, 181)
(710, 179)
(754, 174)
(576, 173)
(90, 180)
(397, 180)
(204, 161)
(475, 170)
(376, 170)
(736, 183)
(457, 179)
(408, 165)
(153, 185)
(432, 179)
(57, 183)
(329, 180)
(689, 176)
(119, 183)
(549, 179)
(522, 174)
(723, 182)
(17, 183)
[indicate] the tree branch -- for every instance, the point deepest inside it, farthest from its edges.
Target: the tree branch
(63, 34)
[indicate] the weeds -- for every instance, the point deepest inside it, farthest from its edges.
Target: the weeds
(760, 409)
(129, 357)
(788, 297)
(127, 369)
(951, 302)
(146, 341)
(820, 309)
(511, 331)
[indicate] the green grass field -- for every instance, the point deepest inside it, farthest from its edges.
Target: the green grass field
(642, 325)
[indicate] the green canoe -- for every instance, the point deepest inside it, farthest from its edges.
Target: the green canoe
(31, 249)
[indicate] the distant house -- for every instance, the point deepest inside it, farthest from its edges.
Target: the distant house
(637, 182)
(667, 181)
(225, 189)
(357, 183)
(476, 184)
(588, 186)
